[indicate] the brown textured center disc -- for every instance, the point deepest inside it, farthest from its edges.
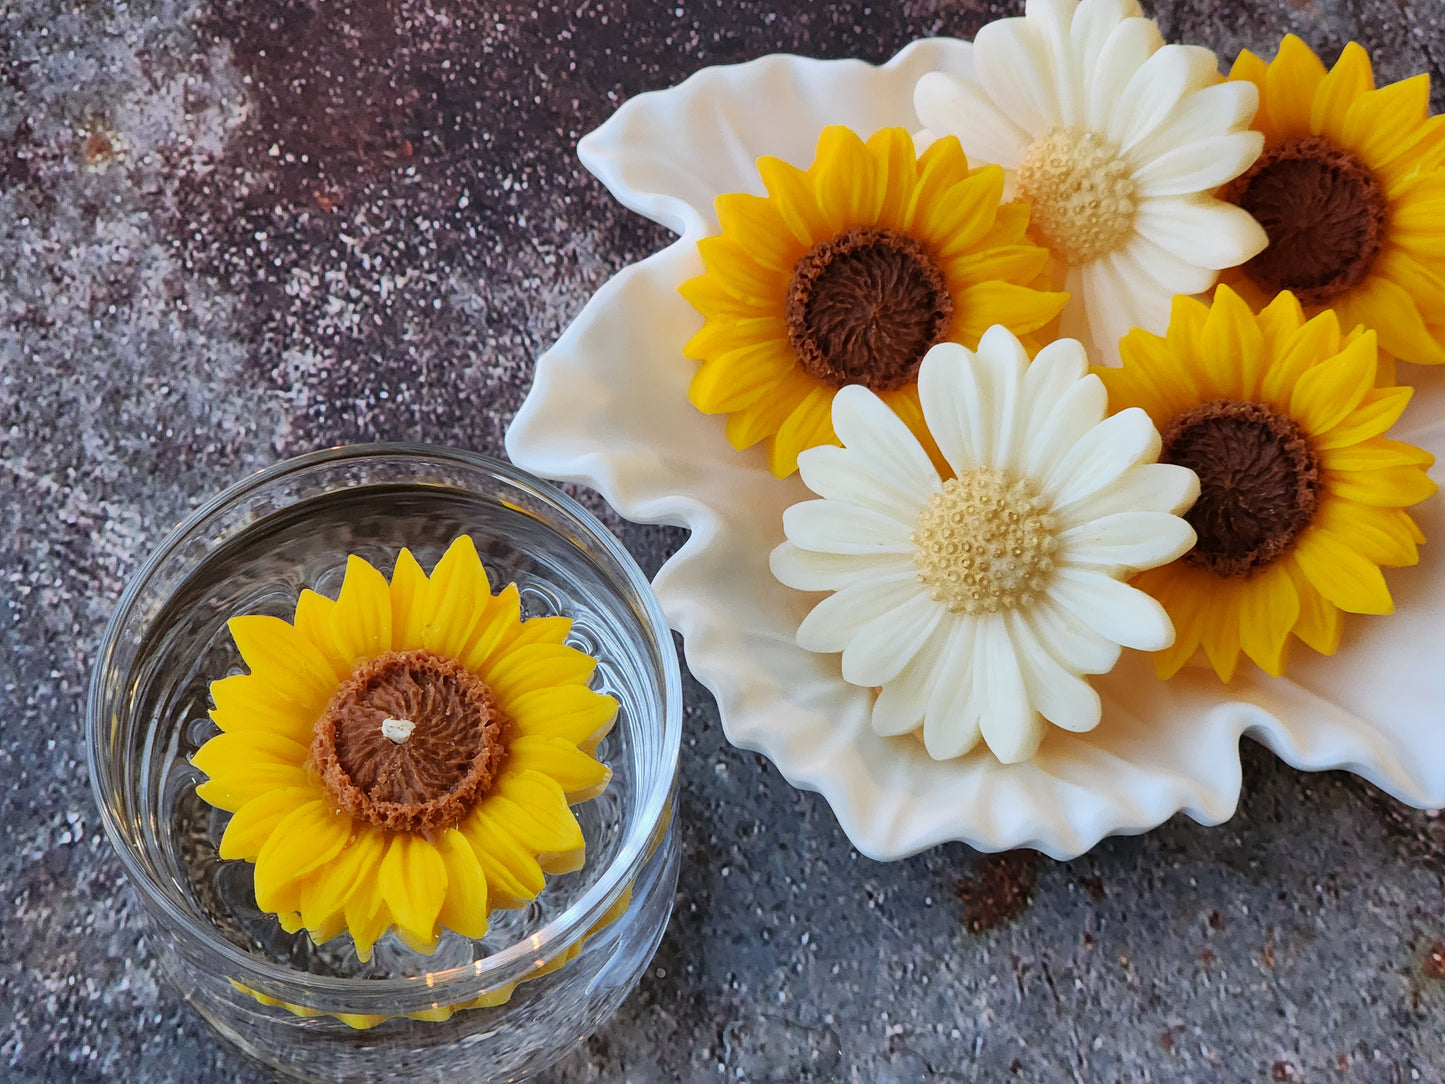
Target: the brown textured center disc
(430, 780)
(1324, 211)
(1259, 483)
(864, 307)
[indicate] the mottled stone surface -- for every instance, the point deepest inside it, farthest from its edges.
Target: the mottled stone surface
(235, 231)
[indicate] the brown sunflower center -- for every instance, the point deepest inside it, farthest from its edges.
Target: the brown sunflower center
(1259, 483)
(409, 742)
(864, 307)
(1324, 211)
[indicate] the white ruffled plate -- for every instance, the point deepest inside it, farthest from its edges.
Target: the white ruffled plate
(609, 410)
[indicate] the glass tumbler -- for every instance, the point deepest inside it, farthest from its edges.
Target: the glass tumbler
(544, 976)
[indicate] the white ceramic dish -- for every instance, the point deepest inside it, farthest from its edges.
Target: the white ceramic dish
(609, 410)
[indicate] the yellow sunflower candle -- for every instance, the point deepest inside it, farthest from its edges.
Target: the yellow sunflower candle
(1350, 188)
(848, 273)
(1302, 497)
(404, 756)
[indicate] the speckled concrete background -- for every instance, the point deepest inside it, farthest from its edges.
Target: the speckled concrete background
(235, 231)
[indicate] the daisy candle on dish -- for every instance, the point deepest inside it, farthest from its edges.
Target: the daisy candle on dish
(1117, 142)
(977, 600)
(406, 755)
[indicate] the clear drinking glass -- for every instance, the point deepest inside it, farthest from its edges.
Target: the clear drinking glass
(543, 977)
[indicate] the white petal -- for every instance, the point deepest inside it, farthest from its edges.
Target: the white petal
(888, 643)
(1108, 310)
(834, 621)
(1127, 542)
(950, 722)
(901, 703)
(1059, 695)
(834, 527)
(1164, 273)
(1140, 300)
(1077, 646)
(1074, 320)
(1015, 70)
(806, 570)
(952, 105)
(1113, 609)
(839, 474)
(946, 387)
(1092, 25)
(1081, 408)
(1204, 231)
(1000, 367)
(868, 427)
(1124, 51)
(1149, 487)
(1052, 19)
(1156, 88)
(1010, 725)
(1055, 369)
(1101, 455)
(1224, 107)
(1201, 165)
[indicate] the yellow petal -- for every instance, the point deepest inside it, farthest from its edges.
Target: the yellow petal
(227, 753)
(1384, 487)
(1380, 410)
(538, 666)
(1020, 264)
(895, 167)
(254, 822)
(1382, 535)
(313, 620)
(367, 916)
(303, 841)
(285, 659)
(740, 377)
(413, 882)
(748, 426)
(455, 595)
(1327, 393)
(1232, 349)
(809, 425)
(571, 712)
(1317, 338)
(1290, 84)
(361, 621)
(962, 215)
(1319, 623)
(797, 204)
(843, 179)
(1220, 637)
(1347, 80)
(1018, 308)
(324, 896)
(241, 784)
(496, 627)
(580, 776)
(758, 221)
(465, 907)
(512, 873)
(1352, 582)
(1386, 308)
(408, 600)
(533, 810)
(1383, 123)
(1269, 609)
(245, 702)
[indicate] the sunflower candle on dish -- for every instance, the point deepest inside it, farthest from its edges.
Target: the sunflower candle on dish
(847, 273)
(977, 601)
(1117, 141)
(1349, 190)
(1302, 495)
(404, 757)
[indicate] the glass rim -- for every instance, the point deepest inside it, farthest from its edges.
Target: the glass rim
(495, 970)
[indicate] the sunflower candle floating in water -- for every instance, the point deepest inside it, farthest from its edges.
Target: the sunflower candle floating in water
(977, 601)
(405, 756)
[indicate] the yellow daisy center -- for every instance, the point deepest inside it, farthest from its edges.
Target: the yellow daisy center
(410, 742)
(1082, 193)
(1259, 483)
(864, 306)
(1325, 213)
(984, 544)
